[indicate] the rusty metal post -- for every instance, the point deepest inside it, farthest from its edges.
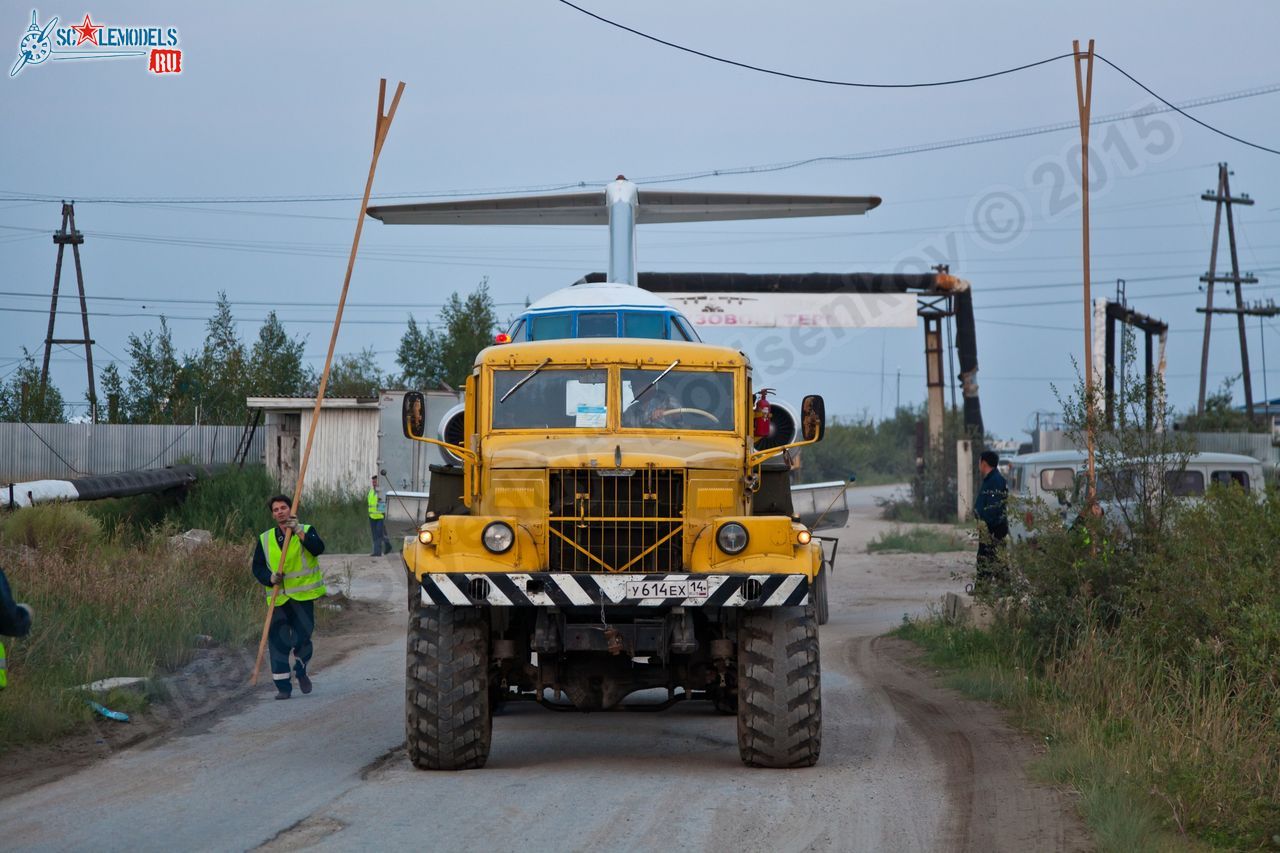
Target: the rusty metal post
(935, 382)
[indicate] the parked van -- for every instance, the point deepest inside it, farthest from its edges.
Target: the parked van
(1054, 476)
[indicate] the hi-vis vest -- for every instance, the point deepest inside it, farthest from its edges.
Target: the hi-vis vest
(373, 505)
(303, 580)
(4, 672)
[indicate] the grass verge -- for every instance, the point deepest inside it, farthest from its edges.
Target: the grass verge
(918, 540)
(232, 506)
(1160, 764)
(113, 597)
(103, 608)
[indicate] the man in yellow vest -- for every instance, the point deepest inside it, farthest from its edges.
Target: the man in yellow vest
(15, 621)
(301, 583)
(377, 524)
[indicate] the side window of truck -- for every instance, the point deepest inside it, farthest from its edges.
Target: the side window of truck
(1226, 478)
(1056, 480)
(1184, 484)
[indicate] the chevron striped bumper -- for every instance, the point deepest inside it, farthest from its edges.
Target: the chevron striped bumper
(552, 589)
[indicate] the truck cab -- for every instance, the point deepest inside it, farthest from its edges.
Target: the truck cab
(602, 536)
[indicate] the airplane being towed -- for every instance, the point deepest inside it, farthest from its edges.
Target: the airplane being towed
(622, 303)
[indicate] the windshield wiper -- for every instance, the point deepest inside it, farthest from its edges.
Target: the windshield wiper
(524, 379)
(645, 389)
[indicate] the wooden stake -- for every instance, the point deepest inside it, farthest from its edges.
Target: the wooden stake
(1084, 101)
(381, 126)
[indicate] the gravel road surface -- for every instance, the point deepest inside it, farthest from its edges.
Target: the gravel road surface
(905, 765)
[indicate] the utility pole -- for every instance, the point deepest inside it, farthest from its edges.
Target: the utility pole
(1222, 198)
(1259, 310)
(72, 238)
(1084, 103)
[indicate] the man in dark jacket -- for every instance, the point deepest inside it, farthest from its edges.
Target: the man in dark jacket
(300, 583)
(990, 512)
(15, 621)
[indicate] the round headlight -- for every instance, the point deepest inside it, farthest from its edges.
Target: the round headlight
(426, 537)
(732, 537)
(804, 537)
(498, 537)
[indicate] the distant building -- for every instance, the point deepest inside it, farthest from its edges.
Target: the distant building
(345, 450)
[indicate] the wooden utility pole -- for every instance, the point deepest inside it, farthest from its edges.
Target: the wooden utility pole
(1222, 198)
(381, 126)
(1084, 101)
(73, 238)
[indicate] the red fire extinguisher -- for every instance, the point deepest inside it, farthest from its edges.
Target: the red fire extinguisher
(762, 417)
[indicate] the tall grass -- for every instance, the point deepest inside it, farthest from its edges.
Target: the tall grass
(233, 507)
(107, 608)
(918, 540)
(1153, 667)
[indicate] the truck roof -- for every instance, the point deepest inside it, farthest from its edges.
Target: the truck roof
(611, 350)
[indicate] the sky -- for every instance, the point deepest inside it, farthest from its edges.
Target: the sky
(173, 173)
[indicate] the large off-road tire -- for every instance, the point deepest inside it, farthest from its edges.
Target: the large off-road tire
(447, 719)
(413, 589)
(819, 591)
(779, 687)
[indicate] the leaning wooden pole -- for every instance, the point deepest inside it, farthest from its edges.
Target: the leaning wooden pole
(381, 126)
(1084, 99)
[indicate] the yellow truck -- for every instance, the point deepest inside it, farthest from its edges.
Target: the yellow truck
(612, 529)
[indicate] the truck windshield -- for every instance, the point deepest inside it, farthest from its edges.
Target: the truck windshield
(681, 400)
(550, 399)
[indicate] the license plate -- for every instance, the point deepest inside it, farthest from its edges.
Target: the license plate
(687, 588)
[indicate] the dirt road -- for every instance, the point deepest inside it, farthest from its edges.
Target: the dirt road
(905, 765)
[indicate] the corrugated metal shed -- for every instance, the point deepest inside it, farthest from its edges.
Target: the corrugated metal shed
(66, 451)
(345, 452)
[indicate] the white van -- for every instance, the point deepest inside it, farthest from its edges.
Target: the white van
(1051, 476)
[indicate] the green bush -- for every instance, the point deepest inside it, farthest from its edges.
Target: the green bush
(61, 527)
(1151, 636)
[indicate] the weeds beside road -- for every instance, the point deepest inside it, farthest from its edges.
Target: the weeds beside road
(918, 540)
(1151, 665)
(113, 597)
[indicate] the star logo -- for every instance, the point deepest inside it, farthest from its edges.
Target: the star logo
(87, 32)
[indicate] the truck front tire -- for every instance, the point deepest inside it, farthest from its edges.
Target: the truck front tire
(447, 720)
(779, 687)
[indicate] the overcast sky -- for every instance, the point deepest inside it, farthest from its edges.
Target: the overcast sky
(278, 100)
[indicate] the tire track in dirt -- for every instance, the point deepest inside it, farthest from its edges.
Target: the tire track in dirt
(991, 802)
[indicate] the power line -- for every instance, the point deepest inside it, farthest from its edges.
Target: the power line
(764, 168)
(803, 77)
(1181, 112)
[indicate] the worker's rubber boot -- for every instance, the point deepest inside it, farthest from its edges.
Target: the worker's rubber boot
(304, 682)
(280, 694)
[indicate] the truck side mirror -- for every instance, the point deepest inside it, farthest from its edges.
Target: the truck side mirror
(813, 418)
(413, 414)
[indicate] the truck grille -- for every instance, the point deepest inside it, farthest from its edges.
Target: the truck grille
(616, 520)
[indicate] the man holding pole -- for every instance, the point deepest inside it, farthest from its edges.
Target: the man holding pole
(377, 521)
(296, 582)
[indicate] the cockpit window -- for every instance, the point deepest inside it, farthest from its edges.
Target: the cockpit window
(681, 400)
(680, 330)
(635, 325)
(517, 332)
(598, 325)
(550, 399)
(551, 327)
